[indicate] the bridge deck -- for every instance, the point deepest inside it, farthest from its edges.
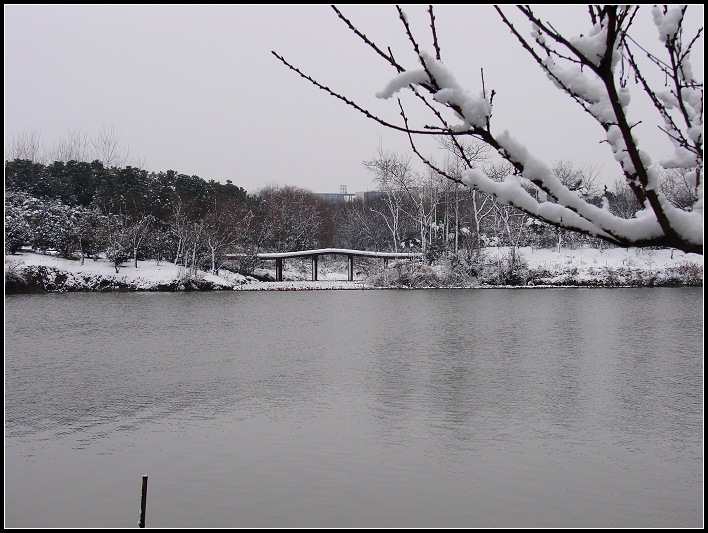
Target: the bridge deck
(314, 255)
(339, 251)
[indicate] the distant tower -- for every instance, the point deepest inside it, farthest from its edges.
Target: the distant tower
(342, 189)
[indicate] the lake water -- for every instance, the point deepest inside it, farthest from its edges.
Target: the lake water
(393, 408)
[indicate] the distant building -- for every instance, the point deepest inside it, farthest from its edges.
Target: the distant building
(335, 197)
(344, 196)
(341, 196)
(368, 195)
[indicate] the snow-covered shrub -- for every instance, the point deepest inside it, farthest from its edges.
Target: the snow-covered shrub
(459, 271)
(13, 272)
(17, 230)
(686, 273)
(52, 225)
(508, 268)
(406, 275)
(117, 254)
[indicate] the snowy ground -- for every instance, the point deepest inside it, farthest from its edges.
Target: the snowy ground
(582, 265)
(587, 264)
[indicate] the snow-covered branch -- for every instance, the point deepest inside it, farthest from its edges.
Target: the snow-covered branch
(589, 67)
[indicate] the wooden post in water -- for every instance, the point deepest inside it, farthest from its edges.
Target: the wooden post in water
(143, 501)
(279, 269)
(315, 257)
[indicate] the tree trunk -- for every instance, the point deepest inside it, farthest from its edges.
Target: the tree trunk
(213, 260)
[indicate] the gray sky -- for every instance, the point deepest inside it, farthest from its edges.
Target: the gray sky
(195, 88)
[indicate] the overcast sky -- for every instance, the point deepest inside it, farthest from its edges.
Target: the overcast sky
(195, 89)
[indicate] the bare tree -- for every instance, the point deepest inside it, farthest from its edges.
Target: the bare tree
(409, 193)
(621, 200)
(28, 145)
(584, 181)
(293, 218)
(225, 229)
(392, 172)
(361, 225)
(426, 199)
(194, 243)
(137, 230)
(467, 154)
(179, 228)
(677, 188)
(452, 199)
(108, 149)
(509, 222)
(483, 205)
(75, 146)
(594, 69)
(116, 239)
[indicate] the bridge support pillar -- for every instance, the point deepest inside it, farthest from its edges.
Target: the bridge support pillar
(350, 258)
(279, 269)
(314, 267)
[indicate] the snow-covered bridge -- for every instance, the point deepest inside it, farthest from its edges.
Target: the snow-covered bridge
(314, 255)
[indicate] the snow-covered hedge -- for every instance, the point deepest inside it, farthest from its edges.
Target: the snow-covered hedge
(39, 278)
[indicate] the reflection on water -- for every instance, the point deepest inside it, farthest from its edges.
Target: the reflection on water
(450, 408)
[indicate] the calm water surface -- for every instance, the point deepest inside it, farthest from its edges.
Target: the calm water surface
(435, 408)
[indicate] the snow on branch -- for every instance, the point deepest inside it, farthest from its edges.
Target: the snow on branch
(593, 68)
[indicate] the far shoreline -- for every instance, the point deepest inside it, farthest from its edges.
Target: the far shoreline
(110, 285)
(34, 273)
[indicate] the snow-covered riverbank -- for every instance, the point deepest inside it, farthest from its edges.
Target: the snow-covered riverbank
(32, 272)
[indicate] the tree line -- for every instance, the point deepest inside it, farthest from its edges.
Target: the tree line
(85, 209)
